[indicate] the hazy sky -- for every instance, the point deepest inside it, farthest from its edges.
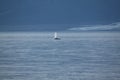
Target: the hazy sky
(56, 14)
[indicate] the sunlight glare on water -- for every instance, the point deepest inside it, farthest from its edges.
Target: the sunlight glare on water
(77, 56)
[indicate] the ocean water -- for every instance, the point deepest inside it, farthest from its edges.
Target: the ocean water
(77, 56)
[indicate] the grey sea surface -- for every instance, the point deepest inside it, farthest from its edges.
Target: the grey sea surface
(77, 56)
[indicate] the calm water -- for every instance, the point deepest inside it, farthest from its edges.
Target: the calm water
(77, 56)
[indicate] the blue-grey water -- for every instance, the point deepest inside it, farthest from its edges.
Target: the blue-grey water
(77, 56)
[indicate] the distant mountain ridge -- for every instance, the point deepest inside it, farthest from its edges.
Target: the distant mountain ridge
(56, 27)
(109, 27)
